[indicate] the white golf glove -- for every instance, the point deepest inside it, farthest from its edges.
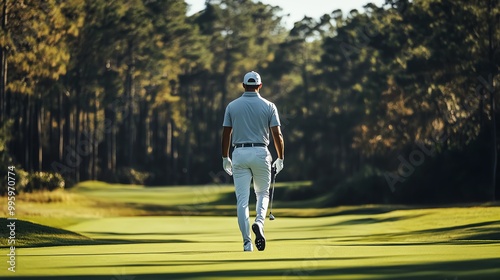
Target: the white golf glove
(227, 165)
(278, 165)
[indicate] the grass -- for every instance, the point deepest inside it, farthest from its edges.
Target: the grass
(368, 242)
(29, 234)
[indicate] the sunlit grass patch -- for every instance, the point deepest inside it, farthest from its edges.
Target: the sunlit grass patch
(395, 244)
(60, 196)
(182, 233)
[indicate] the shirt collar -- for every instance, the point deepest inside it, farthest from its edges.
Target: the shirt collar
(251, 94)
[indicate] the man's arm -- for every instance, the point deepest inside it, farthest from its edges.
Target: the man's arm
(279, 143)
(226, 138)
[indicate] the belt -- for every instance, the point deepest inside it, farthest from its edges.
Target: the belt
(249, 145)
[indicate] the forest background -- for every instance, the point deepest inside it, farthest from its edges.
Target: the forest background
(391, 104)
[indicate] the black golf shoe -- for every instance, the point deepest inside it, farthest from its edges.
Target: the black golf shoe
(260, 239)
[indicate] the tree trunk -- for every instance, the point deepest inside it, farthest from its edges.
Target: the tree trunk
(494, 145)
(39, 134)
(191, 115)
(60, 130)
(95, 140)
(31, 136)
(491, 54)
(77, 130)
(25, 128)
(3, 69)
(128, 122)
(140, 144)
(170, 152)
(67, 128)
(496, 170)
(52, 137)
(110, 147)
(155, 136)
(86, 145)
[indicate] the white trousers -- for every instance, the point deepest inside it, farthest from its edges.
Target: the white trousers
(251, 163)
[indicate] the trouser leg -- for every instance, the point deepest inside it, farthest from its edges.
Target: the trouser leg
(261, 170)
(242, 178)
(261, 206)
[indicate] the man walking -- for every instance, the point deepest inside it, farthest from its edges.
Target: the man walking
(247, 122)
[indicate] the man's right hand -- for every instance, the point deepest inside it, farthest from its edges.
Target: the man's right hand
(278, 165)
(227, 165)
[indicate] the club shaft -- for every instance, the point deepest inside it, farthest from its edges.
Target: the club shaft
(272, 194)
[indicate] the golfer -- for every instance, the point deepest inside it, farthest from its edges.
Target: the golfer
(247, 122)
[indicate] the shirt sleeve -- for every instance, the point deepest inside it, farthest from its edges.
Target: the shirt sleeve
(275, 118)
(227, 118)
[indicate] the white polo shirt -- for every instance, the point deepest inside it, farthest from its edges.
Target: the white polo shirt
(251, 116)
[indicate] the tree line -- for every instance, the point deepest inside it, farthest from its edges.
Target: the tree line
(389, 104)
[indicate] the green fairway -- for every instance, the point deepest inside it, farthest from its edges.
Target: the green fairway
(371, 242)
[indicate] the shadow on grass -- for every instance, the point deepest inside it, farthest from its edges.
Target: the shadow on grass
(32, 235)
(477, 233)
(137, 233)
(470, 232)
(367, 210)
(446, 229)
(211, 262)
(486, 234)
(376, 220)
(470, 269)
(52, 242)
(131, 253)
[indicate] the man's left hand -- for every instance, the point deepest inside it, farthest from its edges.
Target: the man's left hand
(278, 165)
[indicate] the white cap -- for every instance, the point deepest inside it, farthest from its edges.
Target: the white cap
(252, 79)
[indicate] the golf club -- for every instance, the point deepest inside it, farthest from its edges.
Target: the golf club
(271, 216)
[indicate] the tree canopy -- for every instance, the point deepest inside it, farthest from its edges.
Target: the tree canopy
(395, 103)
